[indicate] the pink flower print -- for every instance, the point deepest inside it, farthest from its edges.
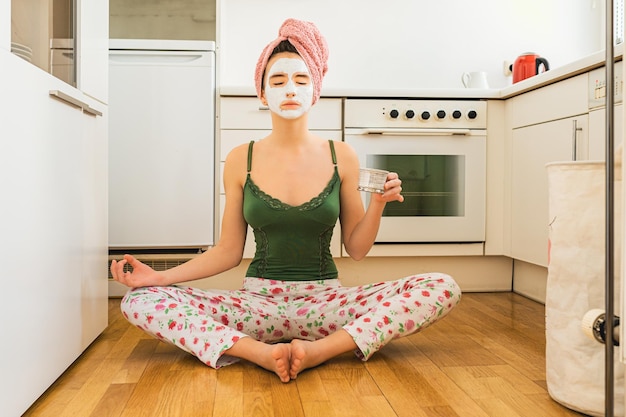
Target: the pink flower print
(182, 341)
(302, 311)
(406, 294)
(287, 325)
(386, 304)
(171, 324)
(331, 297)
(172, 305)
(224, 319)
(324, 331)
(380, 324)
(332, 327)
(125, 315)
(201, 306)
(276, 290)
(409, 325)
(149, 319)
(426, 293)
(278, 333)
(235, 339)
(159, 307)
(219, 328)
(351, 311)
(135, 315)
(159, 335)
(240, 326)
(343, 302)
(363, 303)
(417, 303)
(379, 298)
(195, 340)
(304, 333)
(359, 330)
(440, 298)
(447, 293)
(207, 345)
(310, 287)
(359, 297)
(387, 320)
(367, 319)
(342, 313)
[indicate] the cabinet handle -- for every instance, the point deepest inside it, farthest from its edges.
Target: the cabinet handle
(575, 130)
(75, 102)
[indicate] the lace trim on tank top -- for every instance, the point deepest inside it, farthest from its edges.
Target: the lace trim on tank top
(276, 204)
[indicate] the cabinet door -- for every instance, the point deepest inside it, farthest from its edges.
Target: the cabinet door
(94, 209)
(43, 229)
(93, 49)
(532, 148)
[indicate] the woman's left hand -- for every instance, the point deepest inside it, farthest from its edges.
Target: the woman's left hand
(393, 188)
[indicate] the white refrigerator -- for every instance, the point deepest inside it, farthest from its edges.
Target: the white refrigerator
(161, 144)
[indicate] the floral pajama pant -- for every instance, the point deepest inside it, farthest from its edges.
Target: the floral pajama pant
(206, 323)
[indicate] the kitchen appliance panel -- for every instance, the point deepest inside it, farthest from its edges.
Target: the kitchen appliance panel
(162, 148)
(442, 166)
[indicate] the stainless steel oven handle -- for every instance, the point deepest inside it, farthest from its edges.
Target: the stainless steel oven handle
(409, 132)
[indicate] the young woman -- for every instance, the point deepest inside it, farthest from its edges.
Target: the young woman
(290, 187)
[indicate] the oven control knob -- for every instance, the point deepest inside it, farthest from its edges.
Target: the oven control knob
(409, 114)
(456, 114)
(394, 114)
(441, 114)
(425, 115)
(472, 114)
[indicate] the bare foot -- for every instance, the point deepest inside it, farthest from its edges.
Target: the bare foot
(278, 360)
(304, 355)
(275, 358)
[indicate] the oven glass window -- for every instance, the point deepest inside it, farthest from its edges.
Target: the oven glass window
(432, 185)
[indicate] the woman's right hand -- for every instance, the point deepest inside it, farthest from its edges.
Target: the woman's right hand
(141, 274)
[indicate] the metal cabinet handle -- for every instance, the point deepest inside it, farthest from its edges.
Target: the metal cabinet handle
(75, 102)
(575, 130)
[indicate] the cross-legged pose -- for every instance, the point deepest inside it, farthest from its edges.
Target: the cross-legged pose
(292, 313)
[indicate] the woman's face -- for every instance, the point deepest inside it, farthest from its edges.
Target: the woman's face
(288, 86)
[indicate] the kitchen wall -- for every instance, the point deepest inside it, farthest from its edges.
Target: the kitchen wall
(162, 19)
(413, 44)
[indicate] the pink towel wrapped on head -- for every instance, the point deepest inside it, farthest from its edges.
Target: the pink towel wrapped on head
(309, 43)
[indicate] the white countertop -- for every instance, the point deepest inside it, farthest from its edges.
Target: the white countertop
(580, 66)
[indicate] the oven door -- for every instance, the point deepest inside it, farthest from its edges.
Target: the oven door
(443, 173)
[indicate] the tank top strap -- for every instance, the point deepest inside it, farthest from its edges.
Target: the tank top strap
(332, 151)
(250, 145)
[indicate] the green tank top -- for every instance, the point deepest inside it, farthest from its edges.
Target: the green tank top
(292, 242)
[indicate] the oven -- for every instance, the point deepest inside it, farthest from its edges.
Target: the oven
(438, 148)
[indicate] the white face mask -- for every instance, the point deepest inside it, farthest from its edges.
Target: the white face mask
(289, 84)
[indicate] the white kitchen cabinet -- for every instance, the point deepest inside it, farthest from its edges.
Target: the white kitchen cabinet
(53, 229)
(549, 124)
(597, 131)
(532, 148)
(93, 48)
(5, 25)
(243, 119)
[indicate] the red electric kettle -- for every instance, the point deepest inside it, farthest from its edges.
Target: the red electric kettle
(527, 65)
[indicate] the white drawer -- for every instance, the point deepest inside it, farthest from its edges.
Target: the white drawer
(249, 113)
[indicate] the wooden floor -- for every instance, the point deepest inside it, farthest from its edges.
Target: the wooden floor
(485, 359)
